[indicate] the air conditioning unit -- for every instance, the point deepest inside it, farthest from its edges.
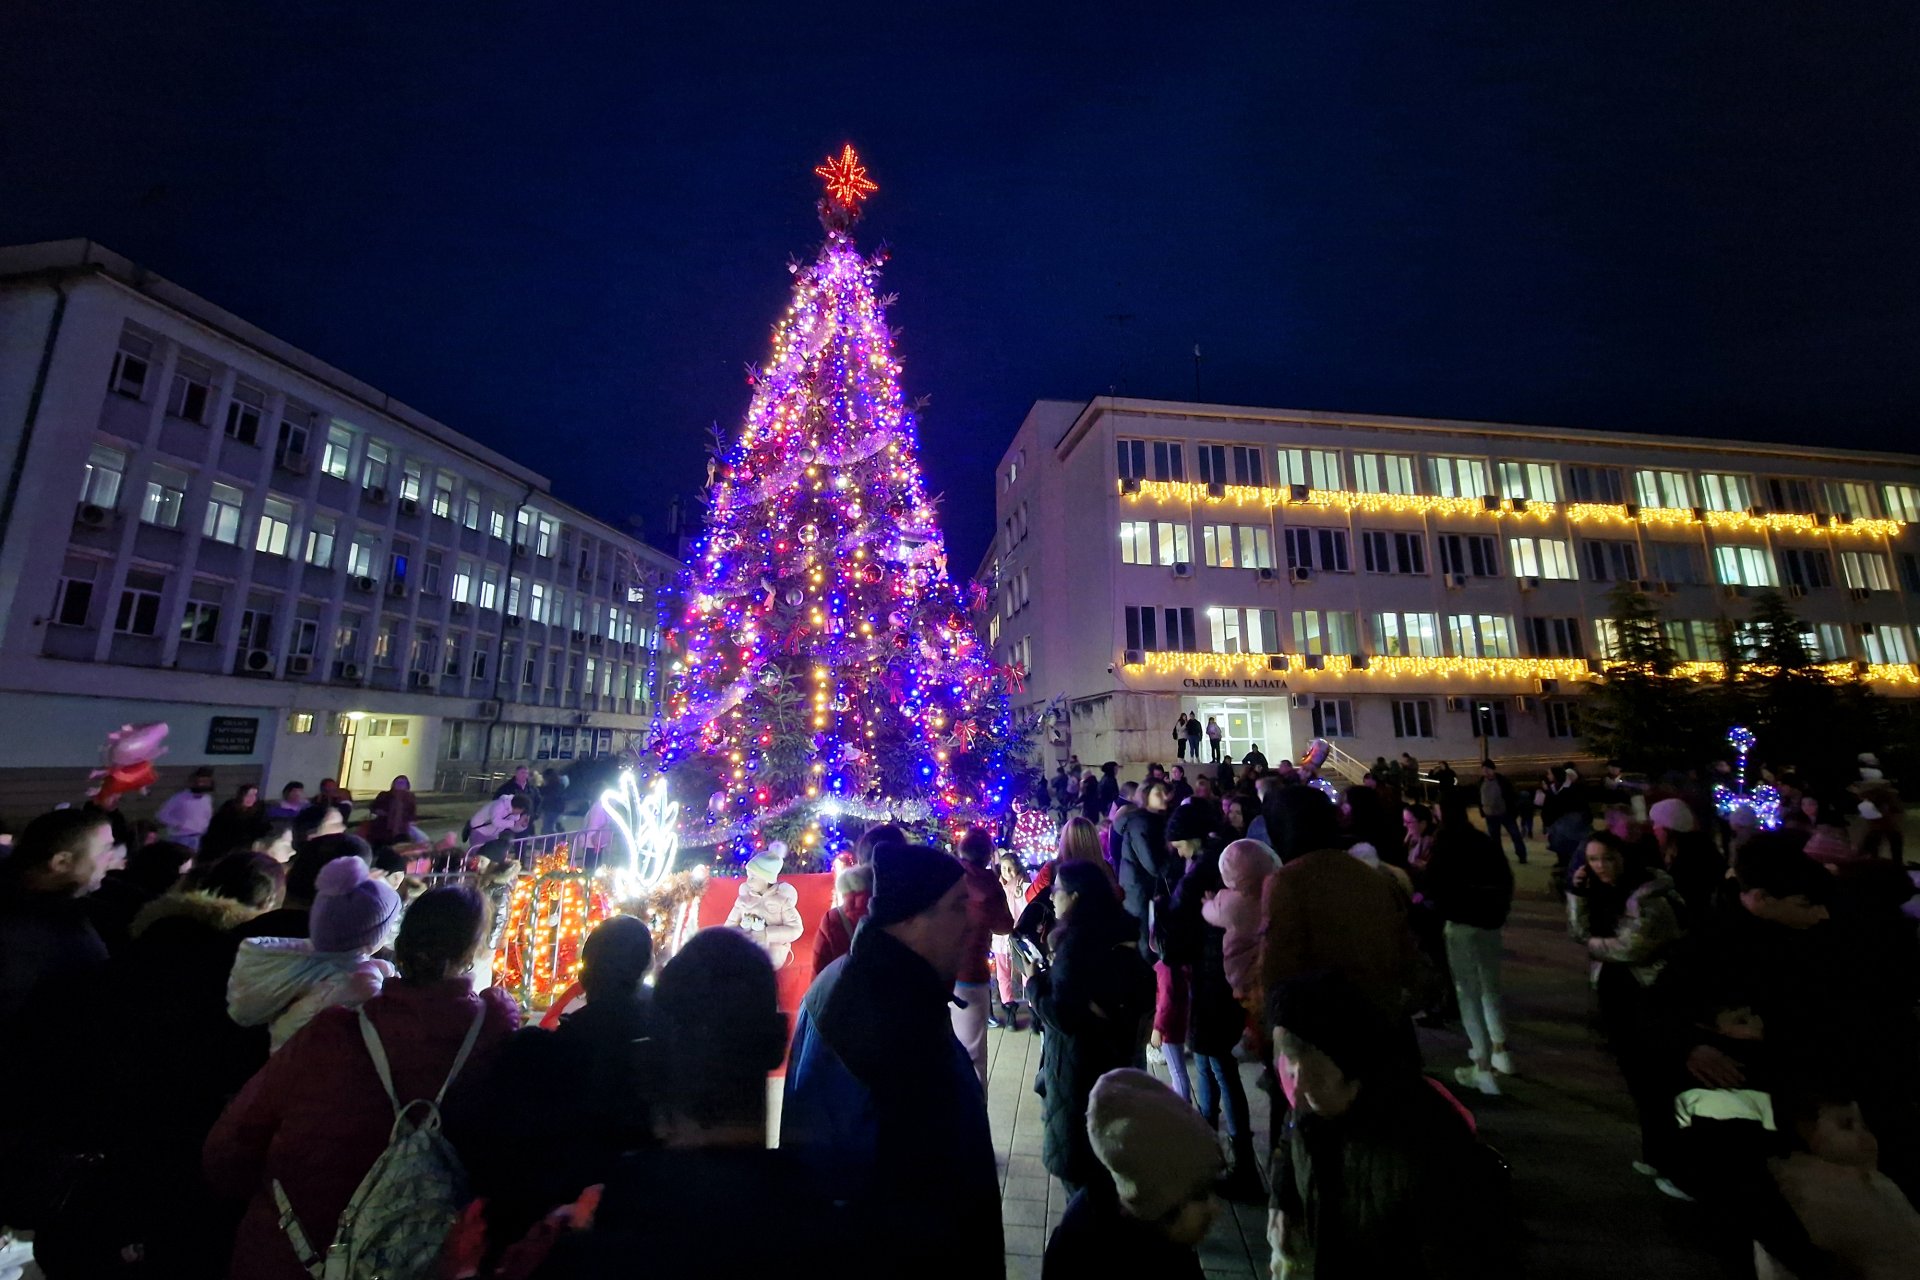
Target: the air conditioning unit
(1357, 661)
(1490, 502)
(1525, 702)
(1459, 704)
(409, 506)
(1860, 666)
(1456, 581)
(297, 464)
(630, 648)
(1216, 489)
(1134, 658)
(585, 574)
(299, 665)
(1699, 515)
(1315, 661)
(461, 608)
(1530, 584)
(1546, 686)
(1842, 517)
(1795, 590)
(1861, 593)
(1595, 667)
(1301, 702)
(364, 585)
(349, 671)
(519, 550)
(1863, 628)
(583, 718)
(1301, 573)
(1181, 569)
(1263, 575)
(375, 495)
(1632, 510)
(1823, 519)
(422, 680)
(92, 516)
(258, 661)
(1518, 504)
(489, 709)
(593, 642)
(1759, 512)
(513, 620)
(397, 589)
(1299, 492)
(1276, 662)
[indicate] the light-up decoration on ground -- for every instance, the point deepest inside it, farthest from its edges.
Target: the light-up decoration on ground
(649, 833)
(550, 911)
(1764, 800)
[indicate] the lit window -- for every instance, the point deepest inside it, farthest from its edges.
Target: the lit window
(223, 513)
(100, 483)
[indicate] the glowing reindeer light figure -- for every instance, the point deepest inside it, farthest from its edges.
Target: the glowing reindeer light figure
(649, 826)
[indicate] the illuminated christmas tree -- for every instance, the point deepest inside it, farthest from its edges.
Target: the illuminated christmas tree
(831, 675)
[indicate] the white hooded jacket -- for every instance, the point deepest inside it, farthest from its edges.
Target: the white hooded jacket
(283, 982)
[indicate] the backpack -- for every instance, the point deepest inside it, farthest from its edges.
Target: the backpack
(400, 1213)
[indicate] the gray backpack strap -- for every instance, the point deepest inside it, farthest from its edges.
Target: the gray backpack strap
(290, 1225)
(460, 1059)
(378, 1053)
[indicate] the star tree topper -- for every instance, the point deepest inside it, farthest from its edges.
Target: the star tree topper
(847, 181)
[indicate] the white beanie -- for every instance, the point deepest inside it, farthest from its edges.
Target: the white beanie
(1160, 1152)
(1673, 815)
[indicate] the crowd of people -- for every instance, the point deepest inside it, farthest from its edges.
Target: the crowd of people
(270, 1052)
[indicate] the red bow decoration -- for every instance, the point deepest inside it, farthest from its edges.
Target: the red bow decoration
(1015, 674)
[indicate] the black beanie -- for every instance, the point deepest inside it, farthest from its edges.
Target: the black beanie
(1327, 1011)
(907, 879)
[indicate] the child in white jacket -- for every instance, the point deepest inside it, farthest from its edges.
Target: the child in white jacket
(284, 982)
(768, 910)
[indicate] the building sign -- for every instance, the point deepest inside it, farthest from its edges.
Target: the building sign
(232, 735)
(1247, 684)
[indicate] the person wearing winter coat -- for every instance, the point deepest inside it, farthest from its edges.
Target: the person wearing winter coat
(1375, 1167)
(291, 918)
(150, 870)
(1141, 854)
(236, 824)
(281, 983)
(1161, 1160)
(882, 1105)
(768, 910)
(1010, 968)
(1235, 908)
(1089, 798)
(394, 813)
(833, 937)
(506, 815)
(1469, 885)
(186, 814)
(1628, 918)
(987, 915)
(1092, 1002)
(316, 1117)
(1109, 786)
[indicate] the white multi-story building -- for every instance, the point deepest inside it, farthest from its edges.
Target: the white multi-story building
(1396, 584)
(302, 576)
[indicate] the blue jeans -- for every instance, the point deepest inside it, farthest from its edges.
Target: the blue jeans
(1176, 1056)
(1498, 822)
(1212, 1077)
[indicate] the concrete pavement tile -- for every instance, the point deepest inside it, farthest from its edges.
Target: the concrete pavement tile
(1026, 1241)
(1026, 1189)
(1023, 1213)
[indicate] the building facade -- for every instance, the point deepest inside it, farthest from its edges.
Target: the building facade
(302, 576)
(1398, 584)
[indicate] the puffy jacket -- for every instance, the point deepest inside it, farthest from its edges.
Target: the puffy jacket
(987, 915)
(779, 910)
(1141, 852)
(1468, 880)
(1244, 869)
(1329, 910)
(1649, 925)
(281, 983)
(1096, 966)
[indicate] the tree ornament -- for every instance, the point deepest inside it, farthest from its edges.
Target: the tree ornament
(795, 596)
(873, 573)
(808, 533)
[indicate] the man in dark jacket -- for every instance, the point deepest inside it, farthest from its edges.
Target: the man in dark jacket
(1109, 786)
(1140, 849)
(881, 1101)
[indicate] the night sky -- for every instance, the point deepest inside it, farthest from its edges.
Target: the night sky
(562, 229)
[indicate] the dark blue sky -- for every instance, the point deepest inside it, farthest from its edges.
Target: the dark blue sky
(562, 228)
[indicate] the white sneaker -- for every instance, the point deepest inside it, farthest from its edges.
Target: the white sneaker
(1502, 1062)
(1475, 1078)
(1644, 1169)
(1667, 1188)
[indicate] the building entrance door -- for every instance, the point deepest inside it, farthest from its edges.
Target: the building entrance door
(1246, 721)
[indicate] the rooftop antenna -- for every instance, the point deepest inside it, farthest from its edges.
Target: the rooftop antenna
(1196, 372)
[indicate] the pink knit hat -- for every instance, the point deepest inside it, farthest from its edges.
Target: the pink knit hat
(353, 910)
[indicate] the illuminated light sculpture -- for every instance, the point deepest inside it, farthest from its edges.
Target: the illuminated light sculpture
(649, 830)
(831, 675)
(550, 911)
(1764, 800)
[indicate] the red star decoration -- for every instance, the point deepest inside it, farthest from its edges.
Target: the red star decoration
(847, 180)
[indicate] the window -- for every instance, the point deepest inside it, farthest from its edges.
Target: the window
(1563, 719)
(139, 612)
(386, 643)
(1805, 567)
(1383, 473)
(1695, 640)
(373, 468)
(1247, 468)
(1541, 558)
(426, 648)
(412, 480)
(1212, 459)
(1533, 481)
(73, 598)
(430, 573)
(1865, 570)
(1472, 554)
(1255, 546)
(244, 412)
(276, 527)
(1786, 493)
(399, 563)
(1136, 542)
(1662, 489)
(1910, 572)
(1406, 635)
(256, 629)
(1554, 637)
(1743, 566)
(1324, 549)
(346, 639)
(320, 542)
(1174, 541)
(1412, 718)
(1675, 562)
(470, 510)
(463, 581)
(300, 722)
(1480, 635)
(166, 495)
(1143, 628)
(1489, 719)
(1594, 484)
(1828, 642)
(515, 591)
(497, 524)
(443, 495)
(306, 637)
(223, 513)
(100, 483)
(1457, 477)
(1318, 632)
(1169, 462)
(1902, 501)
(293, 440)
(1167, 458)
(333, 459)
(1720, 492)
(199, 622)
(1332, 718)
(1886, 644)
(537, 603)
(192, 391)
(131, 365)
(1258, 631)
(360, 556)
(1132, 459)
(1611, 561)
(1181, 633)
(1389, 552)
(490, 588)
(1315, 468)
(479, 663)
(1849, 498)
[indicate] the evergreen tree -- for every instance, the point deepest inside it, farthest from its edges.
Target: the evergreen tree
(1804, 713)
(1641, 712)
